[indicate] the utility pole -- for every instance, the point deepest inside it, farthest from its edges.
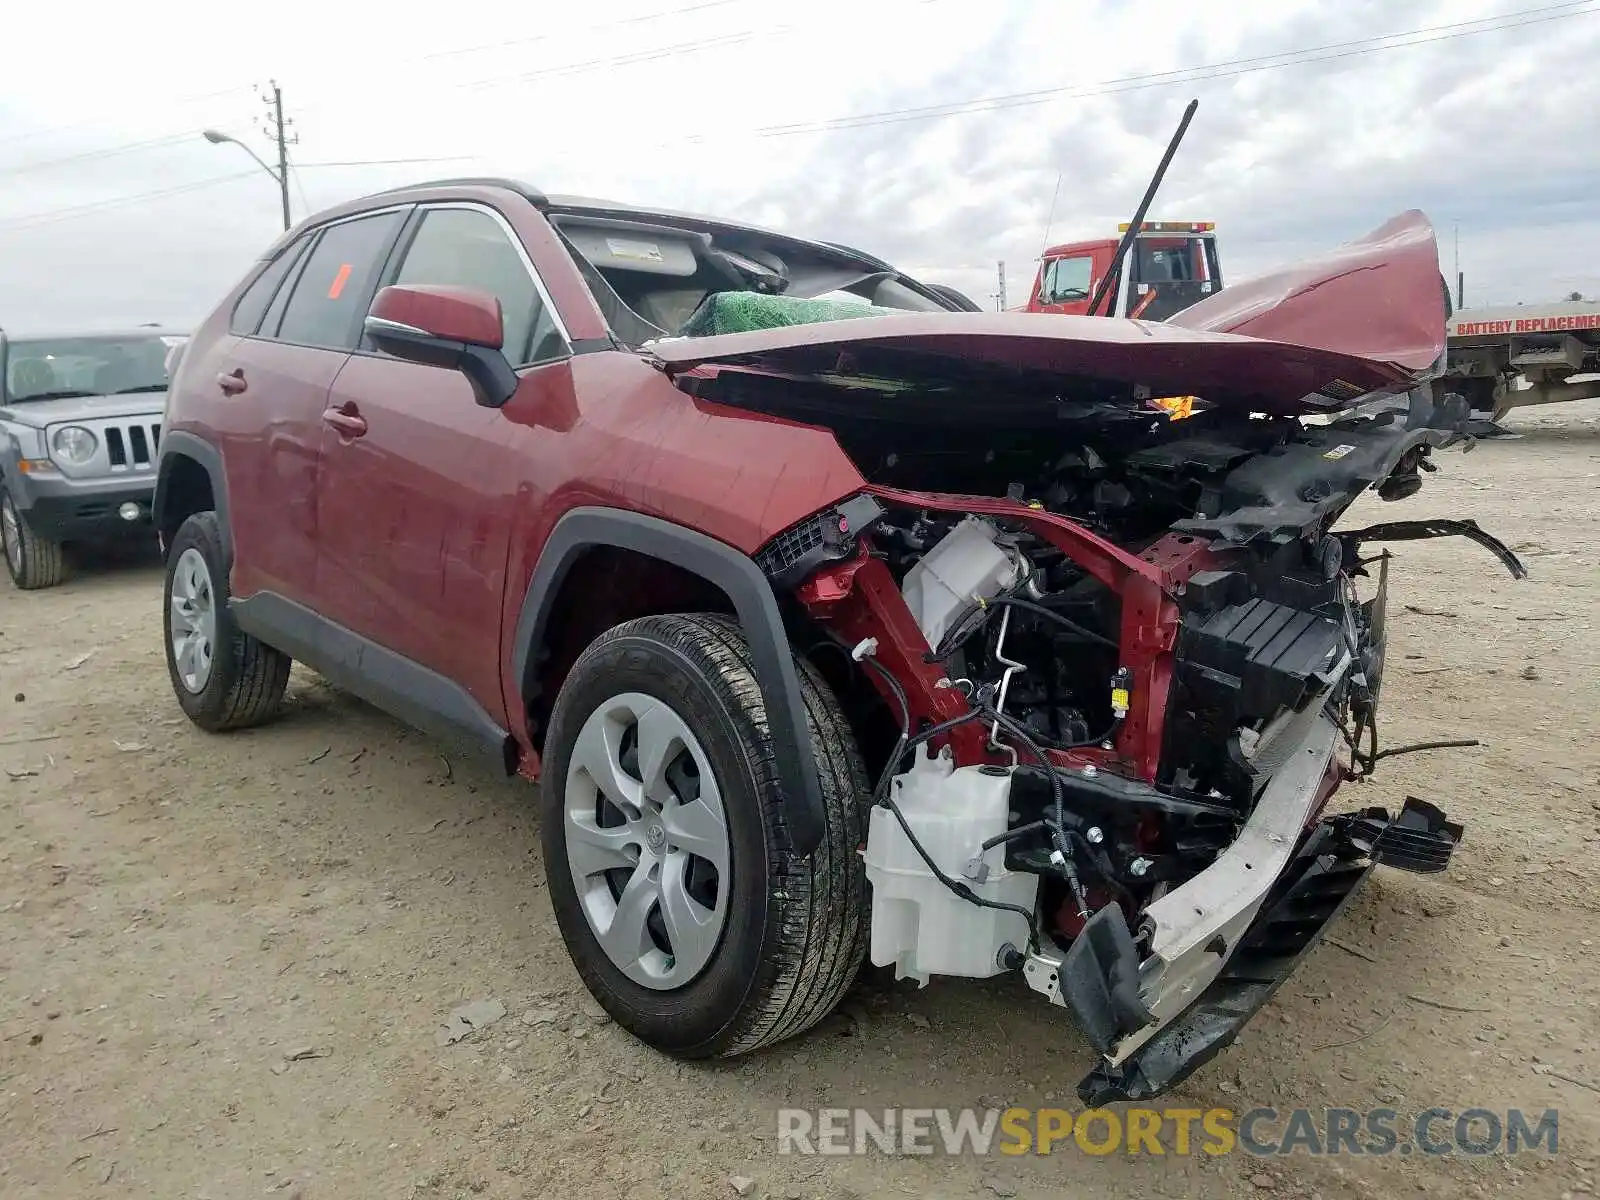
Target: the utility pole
(1461, 280)
(1000, 277)
(277, 127)
(283, 151)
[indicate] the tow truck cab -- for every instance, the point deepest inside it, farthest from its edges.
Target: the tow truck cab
(1171, 265)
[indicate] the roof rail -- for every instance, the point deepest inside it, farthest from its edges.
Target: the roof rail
(527, 191)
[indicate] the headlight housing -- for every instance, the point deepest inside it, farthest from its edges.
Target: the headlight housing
(74, 445)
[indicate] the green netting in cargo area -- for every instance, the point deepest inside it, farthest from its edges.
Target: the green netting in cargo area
(740, 312)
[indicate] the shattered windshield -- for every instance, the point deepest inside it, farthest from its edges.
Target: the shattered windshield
(656, 276)
(43, 369)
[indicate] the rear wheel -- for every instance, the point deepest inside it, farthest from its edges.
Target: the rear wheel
(32, 561)
(667, 853)
(223, 678)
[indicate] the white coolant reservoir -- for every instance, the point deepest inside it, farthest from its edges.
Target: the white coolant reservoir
(964, 567)
(918, 923)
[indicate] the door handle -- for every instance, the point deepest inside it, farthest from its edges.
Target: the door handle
(232, 382)
(349, 423)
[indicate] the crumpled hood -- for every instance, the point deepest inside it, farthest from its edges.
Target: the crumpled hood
(1380, 297)
(40, 413)
(1367, 318)
(931, 349)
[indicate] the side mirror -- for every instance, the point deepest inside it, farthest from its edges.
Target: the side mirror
(439, 326)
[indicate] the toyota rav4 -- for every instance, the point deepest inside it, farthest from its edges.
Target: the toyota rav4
(833, 622)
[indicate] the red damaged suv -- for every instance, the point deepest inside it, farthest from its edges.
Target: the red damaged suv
(836, 620)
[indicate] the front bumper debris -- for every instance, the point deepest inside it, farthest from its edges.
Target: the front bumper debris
(1323, 877)
(1193, 930)
(1437, 527)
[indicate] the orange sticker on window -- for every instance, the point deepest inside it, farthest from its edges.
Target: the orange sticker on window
(339, 280)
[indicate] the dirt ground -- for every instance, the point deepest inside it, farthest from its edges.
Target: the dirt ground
(184, 913)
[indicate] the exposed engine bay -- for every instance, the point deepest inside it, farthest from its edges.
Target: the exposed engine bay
(1134, 664)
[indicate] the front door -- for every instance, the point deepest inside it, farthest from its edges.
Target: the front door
(418, 479)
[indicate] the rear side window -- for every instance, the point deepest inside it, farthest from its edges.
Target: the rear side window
(252, 305)
(332, 292)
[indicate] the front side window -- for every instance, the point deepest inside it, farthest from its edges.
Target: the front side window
(1066, 280)
(44, 369)
(331, 295)
(463, 247)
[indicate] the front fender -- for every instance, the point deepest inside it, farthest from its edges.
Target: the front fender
(738, 577)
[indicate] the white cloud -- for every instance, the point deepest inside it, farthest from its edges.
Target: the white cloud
(1486, 130)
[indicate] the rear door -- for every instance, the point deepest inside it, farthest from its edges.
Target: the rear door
(296, 327)
(414, 512)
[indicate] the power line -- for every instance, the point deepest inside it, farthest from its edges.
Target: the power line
(386, 162)
(51, 216)
(1227, 69)
(299, 186)
(565, 69)
(637, 56)
(90, 155)
(649, 54)
(38, 133)
(615, 24)
(1223, 70)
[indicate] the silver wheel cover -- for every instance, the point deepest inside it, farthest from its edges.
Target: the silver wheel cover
(192, 621)
(647, 841)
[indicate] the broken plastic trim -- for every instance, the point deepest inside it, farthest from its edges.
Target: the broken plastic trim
(1420, 840)
(1415, 531)
(1325, 874)
(1099, 980)
(826, 537)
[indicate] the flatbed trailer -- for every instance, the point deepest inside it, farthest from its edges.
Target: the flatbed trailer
(1505, 358)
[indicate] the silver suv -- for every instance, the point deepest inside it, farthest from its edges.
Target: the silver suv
(80, 420)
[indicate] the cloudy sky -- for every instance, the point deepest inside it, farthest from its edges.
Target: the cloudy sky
(932, 132)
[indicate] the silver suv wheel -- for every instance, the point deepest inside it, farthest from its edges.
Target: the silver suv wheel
(192, 621)
(647, 841)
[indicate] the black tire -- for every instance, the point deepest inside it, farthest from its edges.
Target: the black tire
(796, 931)
(247, 677)
(32, 562)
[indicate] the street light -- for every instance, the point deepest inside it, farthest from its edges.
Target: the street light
(280, 176)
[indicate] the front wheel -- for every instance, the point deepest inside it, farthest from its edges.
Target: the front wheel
(223, 678)
(32, 561)
(668, 858)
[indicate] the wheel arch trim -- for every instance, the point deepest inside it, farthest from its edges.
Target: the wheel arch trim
(182, 444)
(738, 577)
